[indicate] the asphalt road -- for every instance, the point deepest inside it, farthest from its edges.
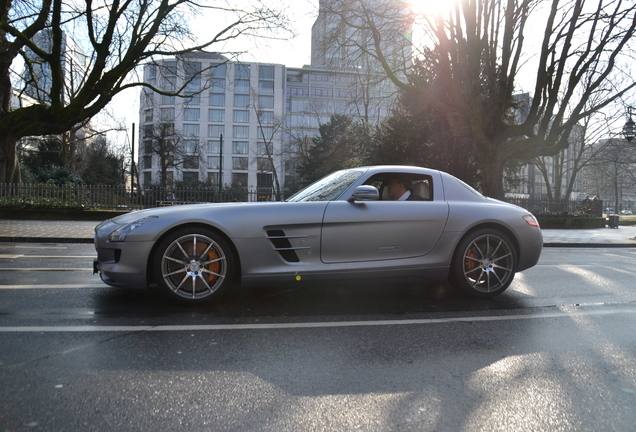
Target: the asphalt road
(556, 352)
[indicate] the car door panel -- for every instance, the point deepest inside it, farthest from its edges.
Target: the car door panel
(380, 230)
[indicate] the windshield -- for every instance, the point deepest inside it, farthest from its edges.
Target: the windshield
(327, 188)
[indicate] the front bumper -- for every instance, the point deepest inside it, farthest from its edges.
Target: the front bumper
(122, 264)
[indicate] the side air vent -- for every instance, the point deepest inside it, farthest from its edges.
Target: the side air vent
(283, 246)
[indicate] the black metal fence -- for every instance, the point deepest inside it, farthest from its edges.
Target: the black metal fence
(44, 196)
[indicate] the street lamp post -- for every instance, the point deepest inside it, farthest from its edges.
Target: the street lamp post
(629, 130)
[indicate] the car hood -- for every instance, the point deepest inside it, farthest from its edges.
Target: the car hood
(173, 210)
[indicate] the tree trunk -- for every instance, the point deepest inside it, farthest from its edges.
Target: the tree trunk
(491, 167)
(9, 164)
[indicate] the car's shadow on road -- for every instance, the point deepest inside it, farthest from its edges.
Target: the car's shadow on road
(329, 300)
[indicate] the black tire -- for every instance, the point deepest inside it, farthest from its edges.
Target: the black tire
(484, 264)
(193, 265)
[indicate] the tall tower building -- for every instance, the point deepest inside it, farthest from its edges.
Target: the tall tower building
(38, 76)
(343, 34)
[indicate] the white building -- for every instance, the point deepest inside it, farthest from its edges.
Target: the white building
(233, 120)
(251, 119)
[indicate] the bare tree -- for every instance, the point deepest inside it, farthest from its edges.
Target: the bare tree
(269, 127)
(478, 49)
(119, 37)
(612, 170)
(562, 171)
(171, 148)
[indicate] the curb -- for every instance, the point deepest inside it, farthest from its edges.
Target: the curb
(46, 240)
(589, 245)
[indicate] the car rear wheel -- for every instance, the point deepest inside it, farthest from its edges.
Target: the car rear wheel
(193, 265)
(484, 264)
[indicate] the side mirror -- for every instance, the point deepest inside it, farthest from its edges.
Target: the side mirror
(365, 193)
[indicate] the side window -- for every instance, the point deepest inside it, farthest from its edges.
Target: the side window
(419, 185)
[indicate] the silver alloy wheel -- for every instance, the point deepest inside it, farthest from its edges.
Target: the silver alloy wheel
(194, 266)
(488, 263)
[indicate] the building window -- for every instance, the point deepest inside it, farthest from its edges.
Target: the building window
(242, 100)
(147, 146)
(294, 78)
(217, 85)
(191, 130)
(264, 164)
(191, 146)
(264, 180)
(240, 147)
(216, 115)
(214, 146)
(213, 162)
(265, 133)
(190, 177)
(266, 72)
(240, 163)
(217, 99)
(148, 115)
(215, 131)
(169, 83)
(217, 70)
(191, 114)
(297, 91)
(241, 131)
(241, 116)
(213, 178)
(167, 114)
(239, 180)
(320, 77)
(147, 162)
(163, 130)
(322, 92)
(264, 148)
(152, 72)
(266, 87)
(167, 100)
(193, 100)
(191, 162)
(266, 117)
(147, 178)
(266, 102)
(242, 71)
(242, 86)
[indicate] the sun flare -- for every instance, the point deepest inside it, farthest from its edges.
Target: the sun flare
(430, 7)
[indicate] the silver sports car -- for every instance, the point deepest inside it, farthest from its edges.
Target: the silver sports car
(346, 225)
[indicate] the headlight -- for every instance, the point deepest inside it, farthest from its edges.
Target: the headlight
(120, 233)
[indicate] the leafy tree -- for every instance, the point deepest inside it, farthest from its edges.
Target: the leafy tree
(45, 155)
(419, 134)
(119, 37)
(341, 143)
(60, 175)
(478, 50)
(103, 166)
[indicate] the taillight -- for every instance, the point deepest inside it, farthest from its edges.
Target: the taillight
(531, 220)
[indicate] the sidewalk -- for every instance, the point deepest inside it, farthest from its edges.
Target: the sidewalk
(47, 231)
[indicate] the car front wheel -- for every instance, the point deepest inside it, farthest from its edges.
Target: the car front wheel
(193, 265)
(484, 264)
